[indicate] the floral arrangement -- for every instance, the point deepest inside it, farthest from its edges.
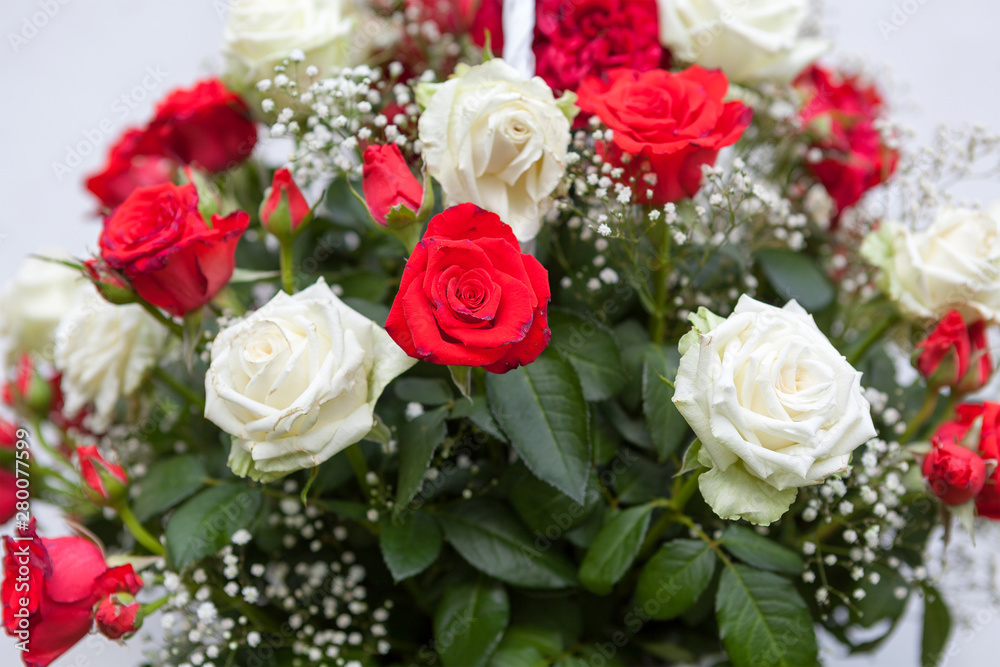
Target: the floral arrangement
(599, 363)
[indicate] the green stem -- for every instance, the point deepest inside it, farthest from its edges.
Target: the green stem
(287, 267)
(152, 607)
(925, 413)
(163, 319)
(874, 335)
(683, 494)
(179, 388)
(140, 534)
(658, 321)
(57, 456)
(360, 467)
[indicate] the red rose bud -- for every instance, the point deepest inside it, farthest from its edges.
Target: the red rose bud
(118, 615)
(988, 500)
(172, 258)
(29, 392)
(108, 282)
(63, 579)
(954, 473)
(104, 483)
(388, 183)
(284, 211)
(8, 436)
(980, 362)
(127, 169)
(944, 355)
(8, 495)
(206, 125)
(977, 428)
(665, 126)
(469, 297)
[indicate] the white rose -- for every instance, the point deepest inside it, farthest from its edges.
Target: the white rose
(773, 403)
(952, 265)
(498, 140)
(259, 34)
(32, 304)
(749, 40)
(104, 352)
(296, 381)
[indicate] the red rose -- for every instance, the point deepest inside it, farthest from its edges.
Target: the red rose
(988, 500)
(127, 169)
(488, 17)
(66, 577)
(8, 495)
(954, 473)
(206, 125)
(575, 39)
(456, 17)
(955, 355)
(159, 240)
(840, 116)
(469, 297)
(284, 207)
(986, 417)
(103, 481)
(388, 182)
(117, 616)
(669, 123)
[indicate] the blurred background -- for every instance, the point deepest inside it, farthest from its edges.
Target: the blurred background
(78, 72)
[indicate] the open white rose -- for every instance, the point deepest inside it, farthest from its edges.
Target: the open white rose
(498, 140)
(952, 265)
(749, 40)
(32, 304)
(296, 381)
(104, 352)
(773, 403)
(259, 34)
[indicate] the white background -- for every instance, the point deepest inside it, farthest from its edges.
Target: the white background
(84, 67)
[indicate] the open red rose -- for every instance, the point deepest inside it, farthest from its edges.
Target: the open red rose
(954, 473)
(173, 259)
(127, 169)
(455, 17)
(575, 39)
(388, 182)
(955, 355)
(840, 115)
(469, 297)
(61, 581)
(206, 125)
(671, 124)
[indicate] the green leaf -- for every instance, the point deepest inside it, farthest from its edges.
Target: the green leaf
(591, 350)
(796, 276)
(667, 428)
(759, 551)
(527, 647)
(542, 410)
(410, 543)
(470, 622)
(937, 628)
(763, 620)
(614, 549)
(205, 523)
(674, 578)
(417, 441)
(546, 509)
(422, 390)
(168, 483)
(490, 537)
(250, 276)
(461, 376)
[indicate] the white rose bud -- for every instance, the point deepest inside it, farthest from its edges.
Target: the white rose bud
(773, 403)
(749, 41)
(498, 140)
(104, 352)
(296, 381)
(952, 265)
(32, 304)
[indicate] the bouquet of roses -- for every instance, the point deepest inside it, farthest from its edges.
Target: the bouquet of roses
(590, 362)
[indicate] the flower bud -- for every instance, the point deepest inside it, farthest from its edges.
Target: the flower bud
(104, 483)
(955, 355)
(29, 391)
(109, 282)
(391, 190)
(285, 211)
(118, 615)
(955, 474)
